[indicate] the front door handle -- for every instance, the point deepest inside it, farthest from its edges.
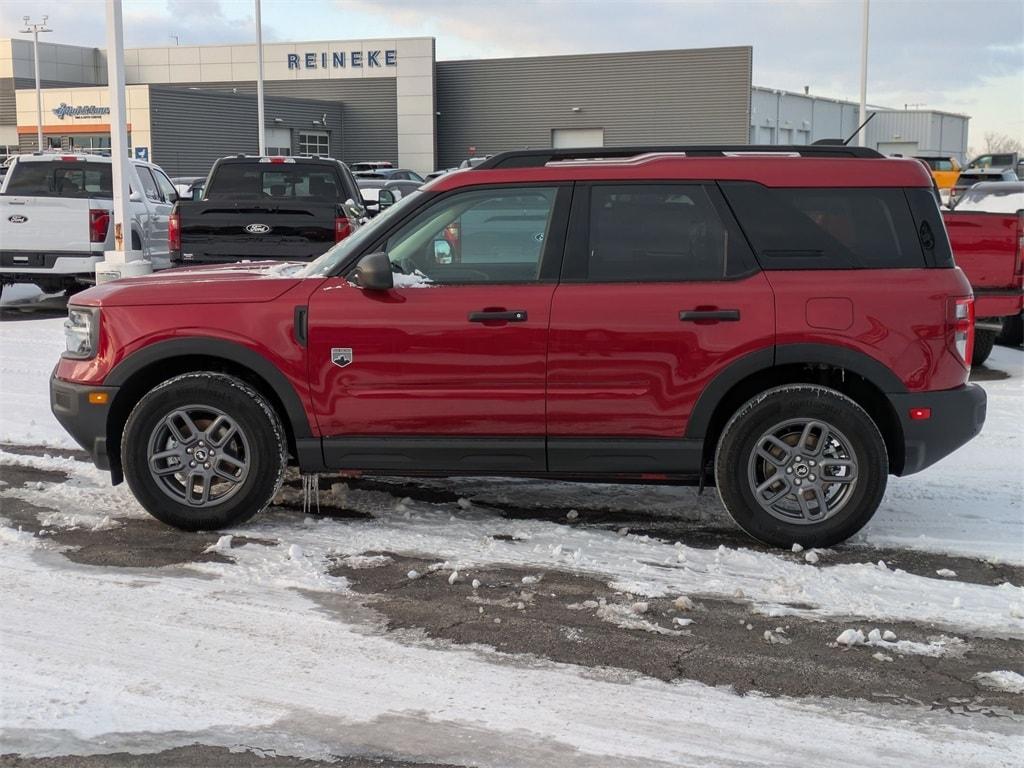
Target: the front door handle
(709, 315)
(498, 315)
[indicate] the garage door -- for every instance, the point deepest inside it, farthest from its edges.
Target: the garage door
(574, 138)
(904, 148)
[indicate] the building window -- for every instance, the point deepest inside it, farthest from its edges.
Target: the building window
(318, 143)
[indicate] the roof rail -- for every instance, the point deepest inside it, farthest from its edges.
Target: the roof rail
(533, 158)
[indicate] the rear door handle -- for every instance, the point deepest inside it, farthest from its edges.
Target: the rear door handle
(492, 315)
(715, 315)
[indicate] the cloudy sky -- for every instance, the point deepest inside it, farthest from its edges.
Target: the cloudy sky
(958, 55)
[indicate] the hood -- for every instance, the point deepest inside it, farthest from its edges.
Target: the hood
(245, 282)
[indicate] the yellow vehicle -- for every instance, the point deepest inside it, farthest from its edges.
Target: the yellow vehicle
(945, 171)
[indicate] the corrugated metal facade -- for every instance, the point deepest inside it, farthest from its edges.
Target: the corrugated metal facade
(369, 109)
(656, 97)
(921, 132)
(188, 127)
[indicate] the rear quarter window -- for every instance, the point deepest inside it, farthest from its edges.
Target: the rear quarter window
(61, 179)
(827, 228)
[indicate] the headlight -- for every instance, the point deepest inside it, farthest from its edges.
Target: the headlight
(81, 332)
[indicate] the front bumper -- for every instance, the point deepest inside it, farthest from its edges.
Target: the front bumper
(84, 421)
(957, 416)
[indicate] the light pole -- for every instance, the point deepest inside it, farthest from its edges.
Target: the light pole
(259, 82)
(862, 136)
(35, 29)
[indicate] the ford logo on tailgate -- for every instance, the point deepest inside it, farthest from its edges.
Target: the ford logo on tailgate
(17, 219)
(257, 229)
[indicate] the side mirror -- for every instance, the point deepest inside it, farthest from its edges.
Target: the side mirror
(385, 199)
(373, 272)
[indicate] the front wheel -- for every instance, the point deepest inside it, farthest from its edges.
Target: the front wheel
(204, 451)
(801, 464)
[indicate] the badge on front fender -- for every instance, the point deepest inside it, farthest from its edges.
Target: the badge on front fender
(341, 356)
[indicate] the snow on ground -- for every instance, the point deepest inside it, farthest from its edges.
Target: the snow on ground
(271, 650)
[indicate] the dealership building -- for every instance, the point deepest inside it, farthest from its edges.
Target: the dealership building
(392, 100)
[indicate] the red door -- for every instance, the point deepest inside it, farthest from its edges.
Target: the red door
(660, 297)
(449, 372)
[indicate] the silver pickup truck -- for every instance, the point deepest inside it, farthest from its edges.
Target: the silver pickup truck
(56, 218)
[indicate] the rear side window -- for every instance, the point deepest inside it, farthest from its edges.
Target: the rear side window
(656, 233)
(61, 179)
(827, 228)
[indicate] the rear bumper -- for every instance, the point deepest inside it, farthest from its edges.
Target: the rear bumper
(957, 416)
(998, 303)
(84, 421)
(38, 263)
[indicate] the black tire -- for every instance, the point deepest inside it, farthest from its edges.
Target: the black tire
(259, 438)
(737, 462)
(983, 343)
(1013, 331)
(136, 241)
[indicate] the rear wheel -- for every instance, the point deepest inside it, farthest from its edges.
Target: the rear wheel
(983, 343)
(801, 464)
(1013, 331)
(204, 451)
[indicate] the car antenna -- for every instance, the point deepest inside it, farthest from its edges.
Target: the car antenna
(859, 129)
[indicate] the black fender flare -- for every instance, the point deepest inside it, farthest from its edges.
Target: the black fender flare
(787, 354)
(220, 348)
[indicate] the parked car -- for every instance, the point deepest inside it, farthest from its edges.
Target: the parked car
(968, 178)
(189, 187)
(371, 165)
(987, 245)
(791, 329)
(259, 208)
(370, 187)
(55, 218)
(993, 197)
(999, 161)
(945, 171)
(393, 174)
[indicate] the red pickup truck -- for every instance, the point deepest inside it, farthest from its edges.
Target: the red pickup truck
(989, 248)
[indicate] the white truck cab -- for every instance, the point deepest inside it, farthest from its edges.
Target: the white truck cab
(56, 217)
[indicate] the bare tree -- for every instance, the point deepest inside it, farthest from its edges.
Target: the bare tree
(998, 143)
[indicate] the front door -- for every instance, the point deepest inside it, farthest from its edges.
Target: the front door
(659, 294)
(446, 370)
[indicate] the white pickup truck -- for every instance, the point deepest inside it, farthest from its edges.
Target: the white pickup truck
(56, 220)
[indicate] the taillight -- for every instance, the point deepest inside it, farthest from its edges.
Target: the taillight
(963, 329)
(174, 232)
(1018, 270)
(342, 228)
(99, 223)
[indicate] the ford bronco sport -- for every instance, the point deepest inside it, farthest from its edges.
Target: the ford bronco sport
(786, 323)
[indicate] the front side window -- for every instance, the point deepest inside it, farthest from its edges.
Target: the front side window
(167, 190)
(482, 236)
(655, 232)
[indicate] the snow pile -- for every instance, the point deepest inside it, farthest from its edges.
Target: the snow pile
(938, 646)
(416, 279)
(223, 545)
(627, 617)
(1002, 680)
(365, 561)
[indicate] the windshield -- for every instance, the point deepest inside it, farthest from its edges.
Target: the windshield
(329, 261)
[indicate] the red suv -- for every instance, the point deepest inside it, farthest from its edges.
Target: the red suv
(785, 323)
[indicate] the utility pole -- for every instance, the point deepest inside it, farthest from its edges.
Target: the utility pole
(862, 138)
(123, 261)
(259, 82)
(35, 29)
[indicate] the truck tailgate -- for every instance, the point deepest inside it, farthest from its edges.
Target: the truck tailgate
(985, 246)
(215, 231)
(47, 224)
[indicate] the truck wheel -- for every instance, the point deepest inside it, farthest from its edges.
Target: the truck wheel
(1013, 331)
(983, 343)
(204, 451)
(801, 464)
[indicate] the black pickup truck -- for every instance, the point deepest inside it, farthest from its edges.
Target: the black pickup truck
(280, 208)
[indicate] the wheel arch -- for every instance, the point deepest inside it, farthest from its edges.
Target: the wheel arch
(163, 360)
(858, 376)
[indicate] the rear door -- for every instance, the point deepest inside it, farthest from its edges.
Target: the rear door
(447, 370)
(659, 293)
